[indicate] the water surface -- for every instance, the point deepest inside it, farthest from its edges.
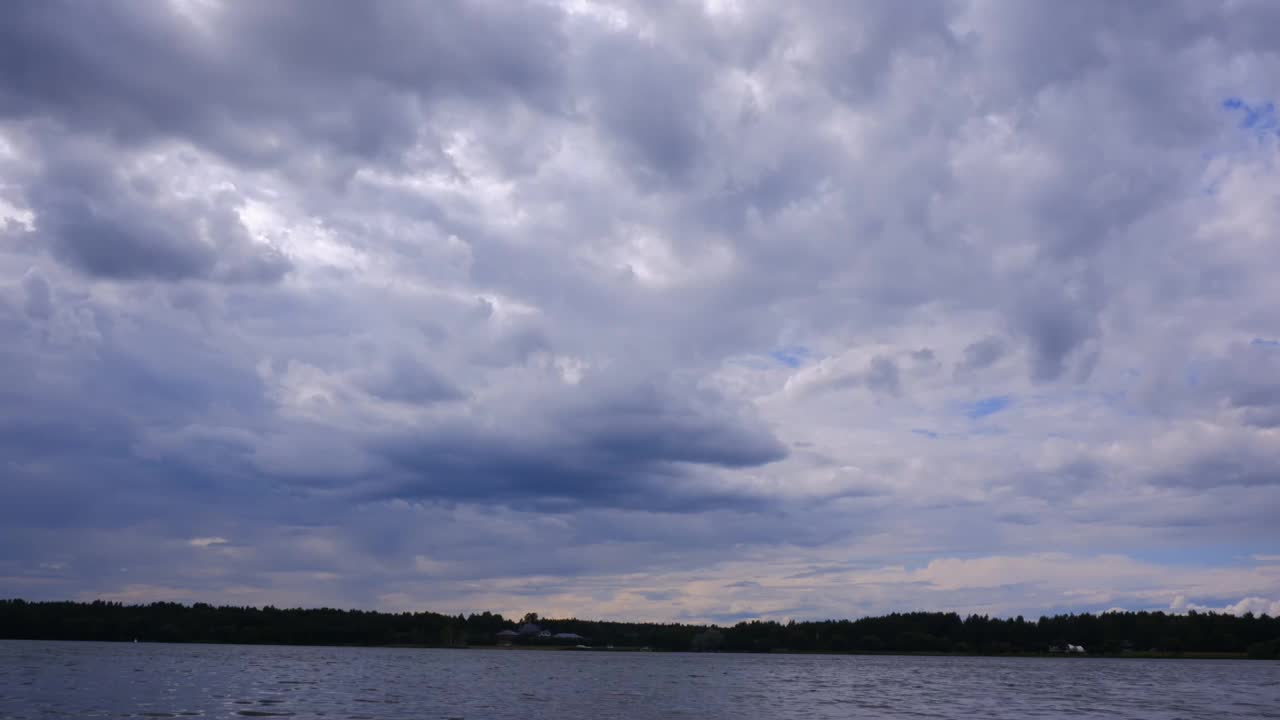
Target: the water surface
(84, 680)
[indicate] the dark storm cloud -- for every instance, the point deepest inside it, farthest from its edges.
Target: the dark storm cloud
(649, 102)
(256, 81)
(1058, 315)
(856, 45)
(108, 224)
(981, 354)
(1224, 468)
(86, 385)
(633, 445)
(1059, 485)
(1249, 380)
(38, 297)
(883, 375)
(406, 379)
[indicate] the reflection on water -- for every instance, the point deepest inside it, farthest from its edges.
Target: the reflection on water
(49, 679)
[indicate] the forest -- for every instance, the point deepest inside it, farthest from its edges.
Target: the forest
(1110, 633)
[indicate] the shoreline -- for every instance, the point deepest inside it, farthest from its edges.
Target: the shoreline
(1137, 655)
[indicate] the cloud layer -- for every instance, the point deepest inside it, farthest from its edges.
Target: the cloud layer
(658, 310)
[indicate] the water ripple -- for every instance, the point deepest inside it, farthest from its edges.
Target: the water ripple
(39, 680)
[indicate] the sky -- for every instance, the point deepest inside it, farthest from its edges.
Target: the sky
(695, 311)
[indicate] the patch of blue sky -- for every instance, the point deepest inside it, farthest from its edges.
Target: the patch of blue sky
(1260, 118)
(792, 356)
(1258, 124)
(925, 433)
(988, 406)
(1265, 342)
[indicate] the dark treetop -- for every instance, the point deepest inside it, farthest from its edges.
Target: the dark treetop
(1111, 633)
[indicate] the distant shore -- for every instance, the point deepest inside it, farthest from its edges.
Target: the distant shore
(1111, 634)
(637, 650)
(1148, 655)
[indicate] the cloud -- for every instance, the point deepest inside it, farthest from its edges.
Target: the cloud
(252, 83)
(1057, 327)
(1254, 605)
(981, 354)
(613, 308)
(122, 225)
(634, 445)
(38, 303)
(408, 380)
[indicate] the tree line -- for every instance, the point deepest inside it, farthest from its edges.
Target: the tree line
(1111, 633)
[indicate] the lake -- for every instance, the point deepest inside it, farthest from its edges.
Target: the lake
(70, 679)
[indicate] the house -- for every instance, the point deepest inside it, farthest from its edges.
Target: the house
(533, 631)
(1067, 649)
